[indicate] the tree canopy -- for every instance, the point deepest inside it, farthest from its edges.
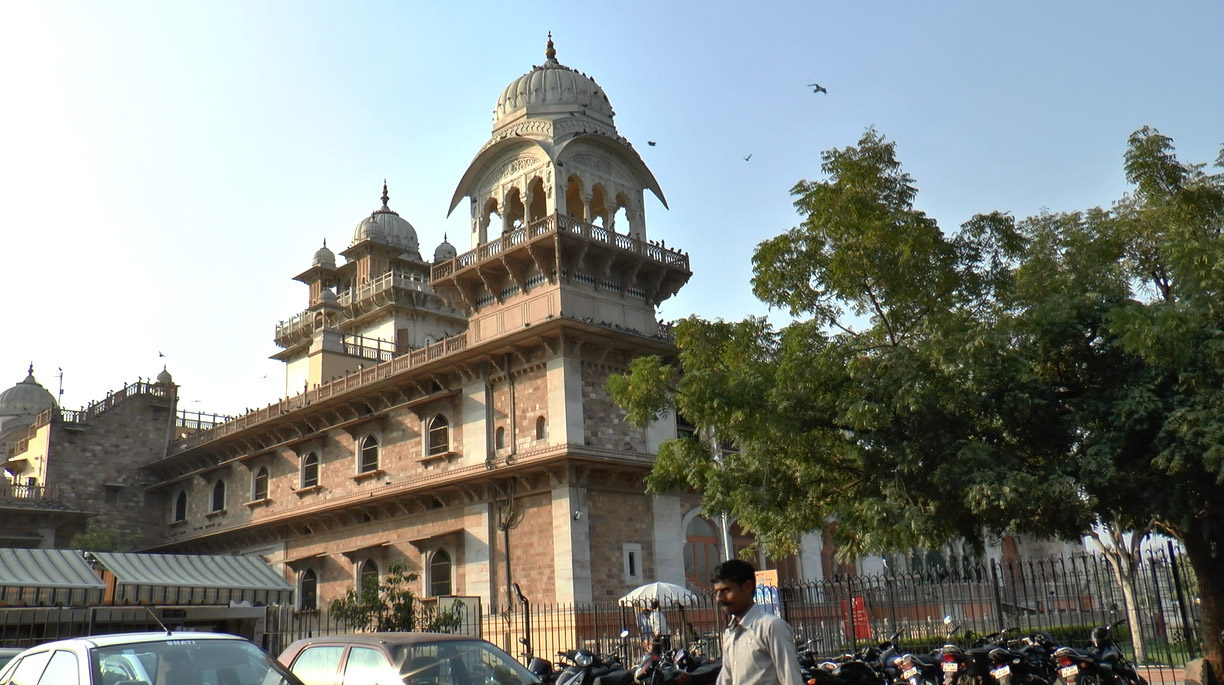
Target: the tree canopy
(1039, 375)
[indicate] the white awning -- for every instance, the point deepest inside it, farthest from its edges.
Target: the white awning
(193, 579)
(48, 577)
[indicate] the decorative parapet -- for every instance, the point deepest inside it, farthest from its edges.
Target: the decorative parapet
(93, 410)
(327, 390)
(554, 224)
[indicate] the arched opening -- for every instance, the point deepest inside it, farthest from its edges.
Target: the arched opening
(180, 506)
(439, 435)
(573, 198)
(700, 554)
(367, 576)
(369, 455)
(537, 200)
(541, 428)
(499, 438)
(440, 574)
(310, 470)
(620, 220)
(259, 485)
(486, 219)
(515, 212)
(308, 591)
(218, 496)
(599, 207)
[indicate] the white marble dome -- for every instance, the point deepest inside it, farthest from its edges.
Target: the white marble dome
(386, 226)
(27, 398)
(445, 251)
(553, 88)
(324, 257)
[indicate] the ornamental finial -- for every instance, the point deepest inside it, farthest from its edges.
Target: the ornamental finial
(550, 52)
(385, 196)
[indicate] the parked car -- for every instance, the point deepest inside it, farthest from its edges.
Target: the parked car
(408, 658)
(7, 654)
(147, 659)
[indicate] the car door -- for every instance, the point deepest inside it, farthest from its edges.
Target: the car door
(318, 664)
(369, 666)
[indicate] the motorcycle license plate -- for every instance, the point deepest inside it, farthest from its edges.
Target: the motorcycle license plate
(950, 666)
(1068, 671)
(1001, 672)
(909, 672)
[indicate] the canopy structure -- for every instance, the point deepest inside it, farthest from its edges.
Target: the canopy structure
(190, 579)
(665, 593)
(47, 577)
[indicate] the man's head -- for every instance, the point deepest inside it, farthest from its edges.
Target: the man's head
(734, 582)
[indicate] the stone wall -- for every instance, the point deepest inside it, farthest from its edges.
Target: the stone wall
(617, 518)
(604, 420)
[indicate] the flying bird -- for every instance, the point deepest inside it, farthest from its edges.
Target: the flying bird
(748, 157)
(817, 88)
(651, 143)
(160, 354)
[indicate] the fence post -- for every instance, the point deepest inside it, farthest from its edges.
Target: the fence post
(1181, 602)
(994, 586)
(1159, 604)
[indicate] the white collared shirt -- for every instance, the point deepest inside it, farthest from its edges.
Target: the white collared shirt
(759, 649)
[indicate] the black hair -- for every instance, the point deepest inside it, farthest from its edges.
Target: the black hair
(735, 571)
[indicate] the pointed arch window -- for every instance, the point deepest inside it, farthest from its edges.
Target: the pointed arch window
(308, 591)
(541, 428)
(367, 575)
(310, 470)
(180, 506)
(440, 574)
(499, 439)
(218, 496)
(369, 455)
(259, 485)
(439, 435)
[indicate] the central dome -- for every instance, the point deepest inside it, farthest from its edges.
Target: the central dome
(553, 88)
(27, 398)
(386, 226)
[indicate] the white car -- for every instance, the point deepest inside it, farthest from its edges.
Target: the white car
(147, 659)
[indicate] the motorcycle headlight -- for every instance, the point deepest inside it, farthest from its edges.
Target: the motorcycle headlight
(584, 659)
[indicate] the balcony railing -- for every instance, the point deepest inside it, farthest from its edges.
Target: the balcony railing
(28, 492)
(557, 223)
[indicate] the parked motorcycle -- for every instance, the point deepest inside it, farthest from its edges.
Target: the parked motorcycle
(1026, 661)
(1102, 664)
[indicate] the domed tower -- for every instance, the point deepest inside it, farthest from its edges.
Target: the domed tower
(19, 405)
(545, 191)
(376, 305)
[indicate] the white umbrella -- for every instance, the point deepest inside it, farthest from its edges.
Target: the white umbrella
(665, 593)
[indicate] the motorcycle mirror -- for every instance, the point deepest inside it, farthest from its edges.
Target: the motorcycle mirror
(624, 632)
(523, 640)
(947, 620)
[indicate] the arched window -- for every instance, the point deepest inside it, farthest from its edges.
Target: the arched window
(309, 591)
(439, 574)
(499, 439)
(439, 435)
(700, 553)
(180, 506)
(541, 428)
(310, 470)
(218, 496)
(259, 485)
(367, 575)
(369, 455)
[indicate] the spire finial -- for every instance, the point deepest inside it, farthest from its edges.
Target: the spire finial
(31, 371)
(325, 242)
(550, 52)
(385, 195)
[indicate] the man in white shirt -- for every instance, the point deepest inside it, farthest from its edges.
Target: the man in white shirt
(758, 647)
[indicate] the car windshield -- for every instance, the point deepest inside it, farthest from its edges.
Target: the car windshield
(185, 660)
(459, 662)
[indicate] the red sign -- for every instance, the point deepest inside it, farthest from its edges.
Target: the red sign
(858, 625)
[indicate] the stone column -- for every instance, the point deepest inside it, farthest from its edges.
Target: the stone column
(571, 546)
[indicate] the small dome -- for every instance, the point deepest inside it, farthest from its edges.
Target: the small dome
(326, 295)
(324, 257)
(385, 226)
(552, 88)
(164, 378)
(445, 251)
(27, 398)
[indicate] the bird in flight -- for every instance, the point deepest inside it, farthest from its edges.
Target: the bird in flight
(748, 157)
(651, 143)
(160, 354)
(817, 88)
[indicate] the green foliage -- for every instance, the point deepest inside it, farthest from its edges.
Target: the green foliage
(390, 605)
(98, 539)
(1033, 375)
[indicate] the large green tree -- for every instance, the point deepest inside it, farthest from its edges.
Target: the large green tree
(1044, 376)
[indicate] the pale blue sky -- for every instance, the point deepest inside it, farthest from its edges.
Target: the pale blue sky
(167, 167)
